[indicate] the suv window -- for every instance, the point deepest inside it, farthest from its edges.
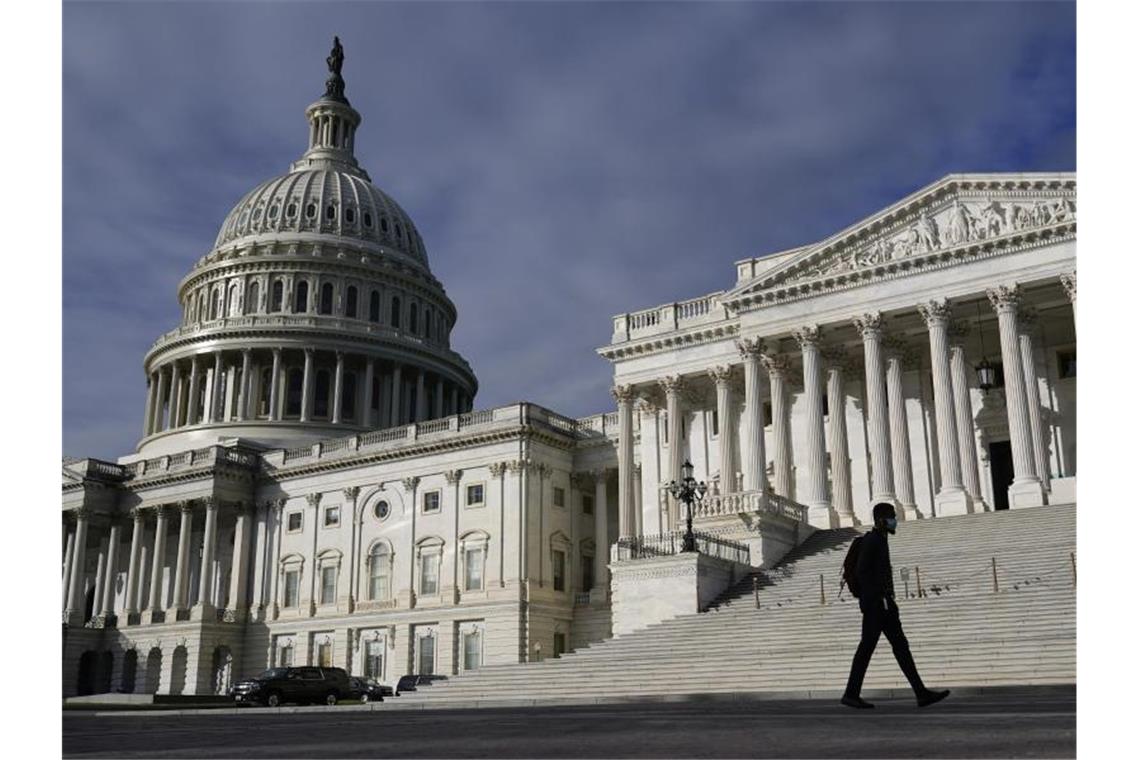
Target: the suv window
(310, 674)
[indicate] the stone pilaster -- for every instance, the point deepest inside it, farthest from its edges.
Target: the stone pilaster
(870, 327)
(369, 400)
(182, 568)
(172, 409)
(192, 410)
(212, 414)
(275, 386)
(815, 498)
(157, 564)
(73, 613)
(952, 498)
(138, 520)
(753, 459)
(209, 547)
(243, 388)
(159, 417)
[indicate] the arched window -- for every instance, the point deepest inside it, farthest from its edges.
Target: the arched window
(202, 305)
(384, 224)
(330, 212)
(379, 573)
(374, 306)
(321, 394)
(349, 215)
(368, 220)
(291, 210)
(216, 306)
(326, 305)
(264, 391)
(277, 296)
(413, 313)
(251, 297)
(235, 300)
(301, 302)
(348, 397)
(427, 323)
(395, 311)
(294, 389)
(311, 210)
(350, 302)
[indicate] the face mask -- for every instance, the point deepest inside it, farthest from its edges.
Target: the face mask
(891, 524)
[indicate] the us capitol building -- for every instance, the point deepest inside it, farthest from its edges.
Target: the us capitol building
(315, 485)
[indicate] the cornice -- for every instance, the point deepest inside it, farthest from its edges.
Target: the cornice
(694, 336)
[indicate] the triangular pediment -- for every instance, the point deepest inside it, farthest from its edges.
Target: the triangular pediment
(957, 215)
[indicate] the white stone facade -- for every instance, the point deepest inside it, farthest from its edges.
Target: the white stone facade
(278, 511)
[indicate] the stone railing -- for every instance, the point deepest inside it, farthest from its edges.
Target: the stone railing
(208, 456)
(598, 425)
(669, 317)
(715, 505)
(671, 542)
(97, 468)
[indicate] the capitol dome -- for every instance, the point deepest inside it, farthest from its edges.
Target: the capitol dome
(314, 314)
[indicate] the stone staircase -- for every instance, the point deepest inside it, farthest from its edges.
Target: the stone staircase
(784, 638)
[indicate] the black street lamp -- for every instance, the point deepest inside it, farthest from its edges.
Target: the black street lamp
(688, 491)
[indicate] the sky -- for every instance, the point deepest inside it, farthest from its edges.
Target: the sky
(564, 162)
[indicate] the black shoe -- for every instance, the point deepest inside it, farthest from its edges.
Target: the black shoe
(856, 702)
(929, 697)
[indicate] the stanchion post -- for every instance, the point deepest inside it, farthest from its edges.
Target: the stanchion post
(756, 590)
(918, 581)
(993, 566)
(1073, 559)
(822, 598)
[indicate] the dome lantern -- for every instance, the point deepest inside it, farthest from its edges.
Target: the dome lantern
(332, 124)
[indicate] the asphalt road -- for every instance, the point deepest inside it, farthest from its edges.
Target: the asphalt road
(1003, 726)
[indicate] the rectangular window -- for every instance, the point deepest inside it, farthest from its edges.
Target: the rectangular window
(558, 561)
(378, 578)
(294, 521)
(475, 495)
(292, 584)
(285, 655)
(324, 655)
(431, 501)
(474, 569)
(587, 505)
(332, 516)
(472, 650)
(559, 497)
(429, 574)
(427, 655)
(559, 644)
(1067, 364)
(328, 585)
(374, 660)
(587, 572)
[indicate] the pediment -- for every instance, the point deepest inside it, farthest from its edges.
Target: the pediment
(956, 216)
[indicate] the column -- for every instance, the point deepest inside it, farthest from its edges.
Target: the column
(307, 387)
(68, 551)
(75, 600)
(623, 394)
(952, 498)
(112, 570)
(159, 403)
(438, 397)
(835, 360)
(151, 395)
(818, 504)
(172, 410)
(964, 414)
(100, 573)
(1026, 490)
(275, 387)
(753, 461)
(159, 559)
(215, 402)
(397, 397)
(637, 510)
(721, 376)
(243, 388)
(900, 431)
(601, 539)
(260, 559)
(777, 368)
(338, 386)
(131, 607)
(1027, 321)
(182, 566)
(421, 399)
(1069, 283)
(192, 401)
(209, 547)
(672, 386)
(369, 374)
(870, 327)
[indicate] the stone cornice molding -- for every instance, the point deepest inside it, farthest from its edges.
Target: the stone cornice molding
(936, 311)
(670, 341)
(1005, 297)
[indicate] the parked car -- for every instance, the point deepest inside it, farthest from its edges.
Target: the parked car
(367, 689)
(410, 682)
(300, 685)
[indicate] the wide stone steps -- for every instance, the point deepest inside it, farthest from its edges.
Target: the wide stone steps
(963, 635)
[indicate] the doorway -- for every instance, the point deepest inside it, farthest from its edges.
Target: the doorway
(1001, 472)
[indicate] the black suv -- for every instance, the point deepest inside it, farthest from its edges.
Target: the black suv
(301, 685)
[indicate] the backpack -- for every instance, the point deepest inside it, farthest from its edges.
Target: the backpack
(849, 578)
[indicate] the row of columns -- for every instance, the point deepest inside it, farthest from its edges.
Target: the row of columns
(173, 396)
(884, 360)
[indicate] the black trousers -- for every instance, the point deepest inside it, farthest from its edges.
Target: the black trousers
(881, 616)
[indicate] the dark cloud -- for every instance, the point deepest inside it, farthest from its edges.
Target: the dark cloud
(564, 162)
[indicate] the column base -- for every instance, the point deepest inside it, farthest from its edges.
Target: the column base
(1028, 493)
(909, 512)
(846, 520)
(156, 616)
(202, 612)
(822, 516)
(956, 502)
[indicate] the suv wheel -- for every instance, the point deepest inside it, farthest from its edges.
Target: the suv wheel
(330, 698)
(273, 699)
(364, 698)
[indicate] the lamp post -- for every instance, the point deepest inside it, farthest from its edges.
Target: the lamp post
(688, 491)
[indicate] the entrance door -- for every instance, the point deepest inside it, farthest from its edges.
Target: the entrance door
(1001, 471)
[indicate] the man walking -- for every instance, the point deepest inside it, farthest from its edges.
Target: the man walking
(876, 593)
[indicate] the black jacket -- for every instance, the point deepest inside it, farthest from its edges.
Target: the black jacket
(874, 567)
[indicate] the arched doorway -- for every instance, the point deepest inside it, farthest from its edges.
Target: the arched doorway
(106, 664)
(178, 670)
(130, 670)
(153, 671)
(222, 670)
(85, 681)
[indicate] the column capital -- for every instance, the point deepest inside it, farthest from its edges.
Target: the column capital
(452, 476)
(776, 364)
(497, 469)
(936, 311)
(582, 480)
(720, 374)
(314, 499)
(309, 352)
(601, 474)
(276, 353)
(671, 384)
(410, 483)
(869, 325)
(274, 505)
(138, 514)
(210, 503)
(185, 506)
(1069, 283)
(751, 348)
(1004, 297)
(647, 406)
(515, 466)
(246, 351)
(340, 356)
(807, 335)
(623, 394)
(351, 493)
(240, 507)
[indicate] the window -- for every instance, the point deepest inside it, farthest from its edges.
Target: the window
(427, 655)
(273, 211)
(301, 302)
(472, 650)
(431, 501)
(374, 306)
(348, 397)
(328, 584)
(349, 215)
(384, 223)
(395, 321)
(330, 212)
(559, 644)
(374, 660)
(277, 296)
(291, 210)
(587, 504)
(285, 655)
(587, 571)
(332, 516)
(263, 395)
(475, 495)
(368, 220)
(294, 521)
(473, 566)
(413, 314)
(1067, 364)
(558, 562)
(381, 509)
(293, 391)
(559, 497)
(427, 323)
(311, 210)
(429, 574)
(321, 394)
(350, 302)
(251, 299)
(292, 585)
(399, 232)
(379, 575)
(324, 654)
(326, 305)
